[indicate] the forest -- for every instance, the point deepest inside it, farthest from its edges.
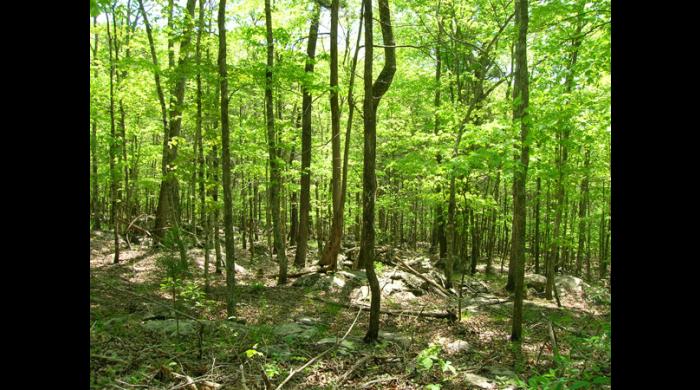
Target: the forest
(327, 194)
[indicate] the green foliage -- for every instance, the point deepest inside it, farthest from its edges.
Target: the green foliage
(378, 267)
(429, 357)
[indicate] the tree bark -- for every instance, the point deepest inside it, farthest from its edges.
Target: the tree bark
(167, 211)
(275, 176)
(94, 202)
(520, 117)
(373, 94)
(226, 165)
(305, 181)
(114, 215)
(330, 253)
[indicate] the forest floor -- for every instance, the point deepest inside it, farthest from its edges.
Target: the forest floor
(137, 339)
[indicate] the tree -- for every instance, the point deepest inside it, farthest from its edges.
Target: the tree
(521, 99)
(305, 194)
(226, 165)
(168, 208)
(331, 249)
(275, 160)
(95, 199)
(373, 94)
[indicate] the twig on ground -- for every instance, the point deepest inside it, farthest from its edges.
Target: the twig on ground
(379, 380)
(353, 368)
(108, 358)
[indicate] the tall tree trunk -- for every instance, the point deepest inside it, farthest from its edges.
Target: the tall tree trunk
(226, 165)
(536, 245)
(373, 94)
(293, 208)
(275, 176)
(167, 211)
(120, 76)
(492, 232)
(94, 201)
(305, 181)
(114, 215)
(156, 75)
(330, 253)
(520, 117)
(198, 131)
(562, 157)
(605, 239)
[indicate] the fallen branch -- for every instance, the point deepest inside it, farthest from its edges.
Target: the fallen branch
(108, 358)
(379, 380)
(448, 314)
(441, 290)
(353, 368)
(314, 359)
(495, 302)
(296, 275)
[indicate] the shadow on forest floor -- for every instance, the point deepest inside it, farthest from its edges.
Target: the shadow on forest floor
(134, 333)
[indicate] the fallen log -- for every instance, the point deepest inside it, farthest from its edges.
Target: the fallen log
(296, 275)
(434, 314)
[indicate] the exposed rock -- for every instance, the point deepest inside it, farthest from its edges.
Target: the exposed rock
(536, 281)
(570, 284)
(350, 274)
(308, 321)
(295, 330)
(476, 285)
(240, 270)
(500, 371)
(479, 381)
(389, 286)
(452, 347)
(403, 296)
(412, 282)
(360, 294)
(397, 338)
(308, 280)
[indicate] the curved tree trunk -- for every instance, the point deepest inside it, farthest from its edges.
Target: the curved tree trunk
(373, 94)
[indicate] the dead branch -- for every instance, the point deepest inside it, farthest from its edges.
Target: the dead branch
(448, 314)
(441, 290)
(353, 368)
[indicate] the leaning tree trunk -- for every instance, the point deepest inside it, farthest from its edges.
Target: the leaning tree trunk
(373, 94)
(305, 193)
(226, 165)
(275, 176)
(520, 117)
